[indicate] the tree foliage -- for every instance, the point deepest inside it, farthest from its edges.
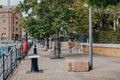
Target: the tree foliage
(45, 17)
(102, 3)
(52, 15)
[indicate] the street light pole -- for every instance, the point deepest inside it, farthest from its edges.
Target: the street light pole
(26, 35)
(90, 39)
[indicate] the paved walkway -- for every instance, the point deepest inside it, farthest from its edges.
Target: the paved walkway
(104, 68)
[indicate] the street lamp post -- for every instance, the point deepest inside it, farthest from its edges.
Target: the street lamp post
(59, 40)
(90, 39)
(35, 47)
(26, 36)
(26, 40)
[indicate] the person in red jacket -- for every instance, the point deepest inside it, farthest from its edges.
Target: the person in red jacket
(25, 48)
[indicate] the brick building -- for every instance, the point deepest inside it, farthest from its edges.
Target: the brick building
(10, 28)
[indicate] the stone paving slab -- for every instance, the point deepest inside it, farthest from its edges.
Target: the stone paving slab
(104, 68)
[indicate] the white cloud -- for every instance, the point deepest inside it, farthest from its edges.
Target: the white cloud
(12, 2)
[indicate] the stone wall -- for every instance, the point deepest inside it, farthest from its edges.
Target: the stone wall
(112, 50)
(65, 44)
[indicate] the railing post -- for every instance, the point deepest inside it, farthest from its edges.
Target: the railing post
(3, 67)
(11, 61)
(21, 51)
(16, 59)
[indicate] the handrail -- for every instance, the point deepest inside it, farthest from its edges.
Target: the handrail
(12, 48)
(9, 61)
(9, 52)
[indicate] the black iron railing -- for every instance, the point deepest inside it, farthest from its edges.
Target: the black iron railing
(9, 61)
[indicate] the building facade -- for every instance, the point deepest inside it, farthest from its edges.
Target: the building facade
(10, 27)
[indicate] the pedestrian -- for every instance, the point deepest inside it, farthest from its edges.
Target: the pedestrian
(70, 44)
(78, 46)
(25, 48)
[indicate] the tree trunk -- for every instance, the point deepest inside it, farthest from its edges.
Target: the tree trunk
(47, 43)
(57, 44)
(50, 43)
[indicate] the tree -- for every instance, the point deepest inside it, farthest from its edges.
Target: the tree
(34, 22)
(102, 3)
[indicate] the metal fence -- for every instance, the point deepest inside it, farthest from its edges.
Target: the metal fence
(9, 61)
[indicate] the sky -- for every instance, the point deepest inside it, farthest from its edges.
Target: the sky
(12, 2)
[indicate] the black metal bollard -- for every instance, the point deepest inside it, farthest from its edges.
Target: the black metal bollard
(35, 49)
(34, 65)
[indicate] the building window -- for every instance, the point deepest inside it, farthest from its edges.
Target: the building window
(17, 29)
(17, 18)
(4, 15)
(16, 22)
(12, 29)
(12, 36)
(4, 21)
(4, 28)
(3, 36)
(16, 36)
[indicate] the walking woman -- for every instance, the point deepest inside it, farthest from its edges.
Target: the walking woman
(70, 44)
